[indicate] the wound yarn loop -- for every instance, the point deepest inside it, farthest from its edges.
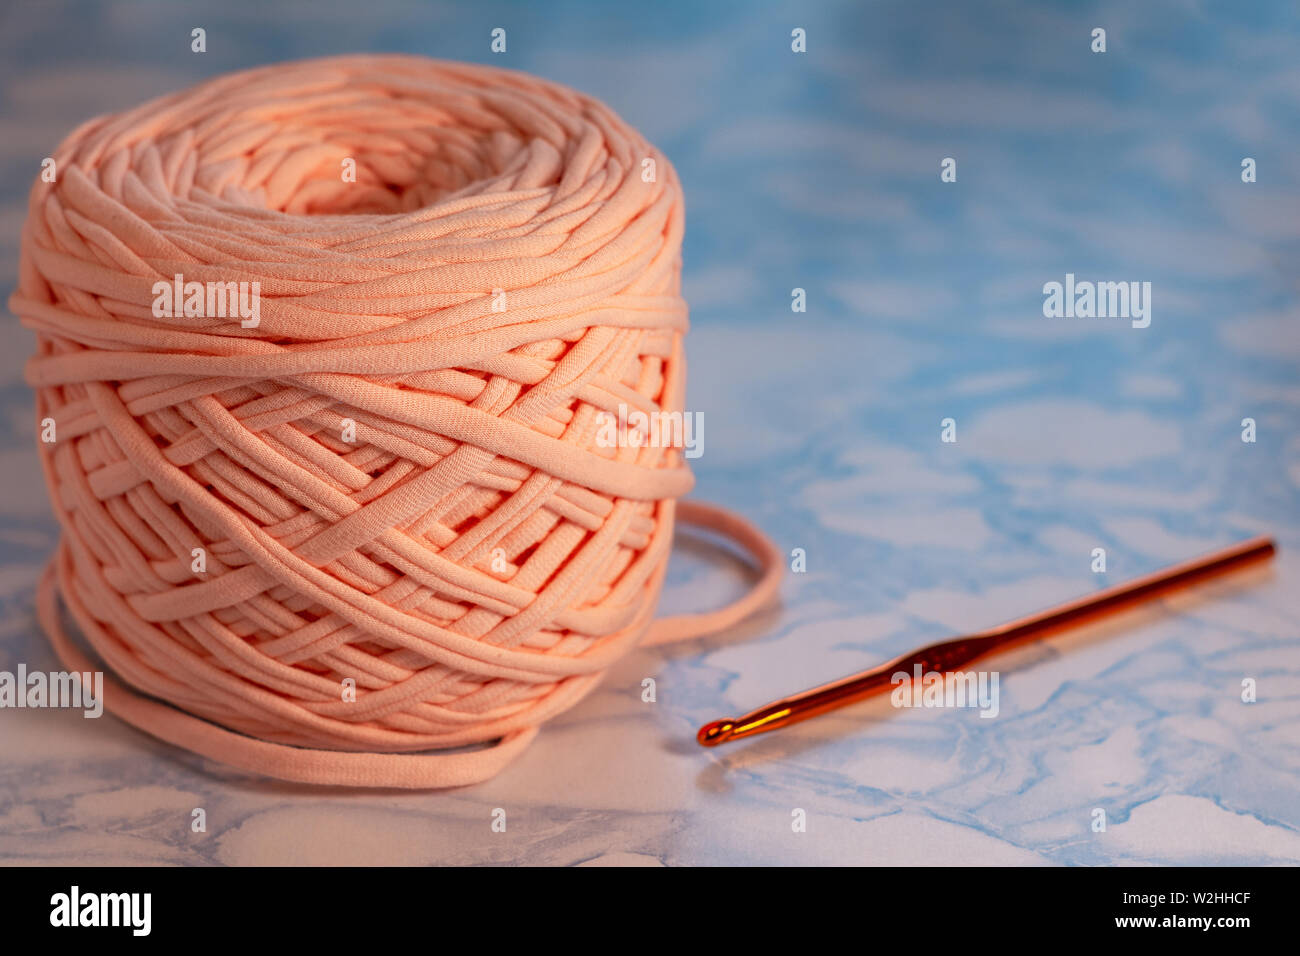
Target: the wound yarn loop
(358, 514)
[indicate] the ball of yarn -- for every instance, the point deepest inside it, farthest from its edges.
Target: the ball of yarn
(376, 520)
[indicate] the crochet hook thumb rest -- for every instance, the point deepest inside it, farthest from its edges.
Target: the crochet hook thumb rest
(956, 653)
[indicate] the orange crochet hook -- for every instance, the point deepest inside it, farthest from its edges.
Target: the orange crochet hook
(960, 651)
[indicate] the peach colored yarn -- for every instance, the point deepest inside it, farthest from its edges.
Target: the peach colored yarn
(475, 427)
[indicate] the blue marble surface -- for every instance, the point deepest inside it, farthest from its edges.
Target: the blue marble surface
(821, 171)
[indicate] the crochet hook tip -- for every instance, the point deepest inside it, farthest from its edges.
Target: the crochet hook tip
(718, 732)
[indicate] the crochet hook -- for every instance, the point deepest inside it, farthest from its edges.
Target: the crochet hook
(953, 654)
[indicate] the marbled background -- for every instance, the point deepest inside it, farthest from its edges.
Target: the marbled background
(820, 171)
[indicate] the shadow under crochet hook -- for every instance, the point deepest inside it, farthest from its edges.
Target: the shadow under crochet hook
(953, 654)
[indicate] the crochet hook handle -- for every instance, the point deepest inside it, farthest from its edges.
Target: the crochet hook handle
(953, 654)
